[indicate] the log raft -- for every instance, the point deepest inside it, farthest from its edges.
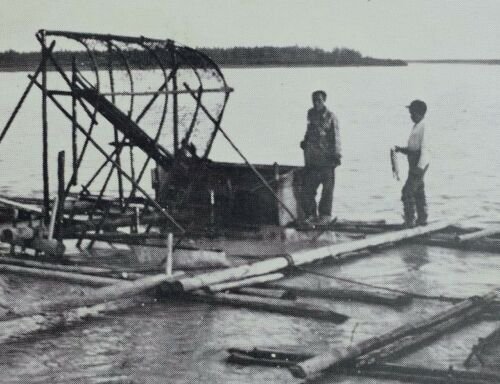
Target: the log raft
(327, 361)
(340, 251)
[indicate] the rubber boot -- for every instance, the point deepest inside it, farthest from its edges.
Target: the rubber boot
(421, 212)
(409, 214)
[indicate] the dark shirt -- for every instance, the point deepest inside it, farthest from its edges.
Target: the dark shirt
(322, 139)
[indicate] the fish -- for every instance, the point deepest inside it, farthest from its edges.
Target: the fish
(394, 164)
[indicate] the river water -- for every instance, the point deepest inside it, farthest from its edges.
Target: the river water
(186, 343)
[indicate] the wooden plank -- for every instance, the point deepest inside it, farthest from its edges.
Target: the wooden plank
(285, 307)
(302, 257)
(315, 366)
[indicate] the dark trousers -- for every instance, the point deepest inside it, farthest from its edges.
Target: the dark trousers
(313, 177)
(413, 196)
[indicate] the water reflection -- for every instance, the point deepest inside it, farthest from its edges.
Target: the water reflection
(415, 256)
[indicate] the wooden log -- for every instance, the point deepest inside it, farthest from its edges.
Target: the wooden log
(245, 282)
(482, 245)
(313, 367)
(409, 343)
(21, 206)
(482, 347)
(119, 290)
(285, 307)
(427, 375)
(301, 257)
(478, 234)
(272, 293)
(361, 295)
(15, 329)
(79, 278)
(70, 268)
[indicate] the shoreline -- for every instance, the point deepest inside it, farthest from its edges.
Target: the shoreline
(30, 68)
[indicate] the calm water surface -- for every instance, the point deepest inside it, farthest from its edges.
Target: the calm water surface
(186, 343)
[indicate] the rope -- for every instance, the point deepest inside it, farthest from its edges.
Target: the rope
(412, 294)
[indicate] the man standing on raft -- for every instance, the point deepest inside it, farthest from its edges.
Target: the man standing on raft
(322, 155)
(413, 193)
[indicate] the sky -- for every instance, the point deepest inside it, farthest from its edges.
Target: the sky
(405, 29)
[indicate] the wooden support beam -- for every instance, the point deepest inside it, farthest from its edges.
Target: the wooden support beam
(302, 257)
(328, 360)
(285, 307)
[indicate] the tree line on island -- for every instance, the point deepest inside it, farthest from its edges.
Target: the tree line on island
(236, 56)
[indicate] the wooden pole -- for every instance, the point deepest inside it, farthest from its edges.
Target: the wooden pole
(118, 290)
(96, 281)
(301, 257)
(273, 293)
(53, 216)
(83, 269)
(175, 115)
(349, 294)
(246, 282)
(25, 93)
(409, 343)
(45, 141)
(14, 329)
(315, 366)
(479, 234)
(169, 260)
(424, 375)
(74, 119)
(61, 195)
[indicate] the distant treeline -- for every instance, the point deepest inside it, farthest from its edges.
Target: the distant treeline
(292, 56)
(237, 56)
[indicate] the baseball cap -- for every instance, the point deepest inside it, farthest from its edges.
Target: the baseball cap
(418, 106)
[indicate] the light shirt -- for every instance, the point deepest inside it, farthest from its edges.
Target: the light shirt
(417, 142)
